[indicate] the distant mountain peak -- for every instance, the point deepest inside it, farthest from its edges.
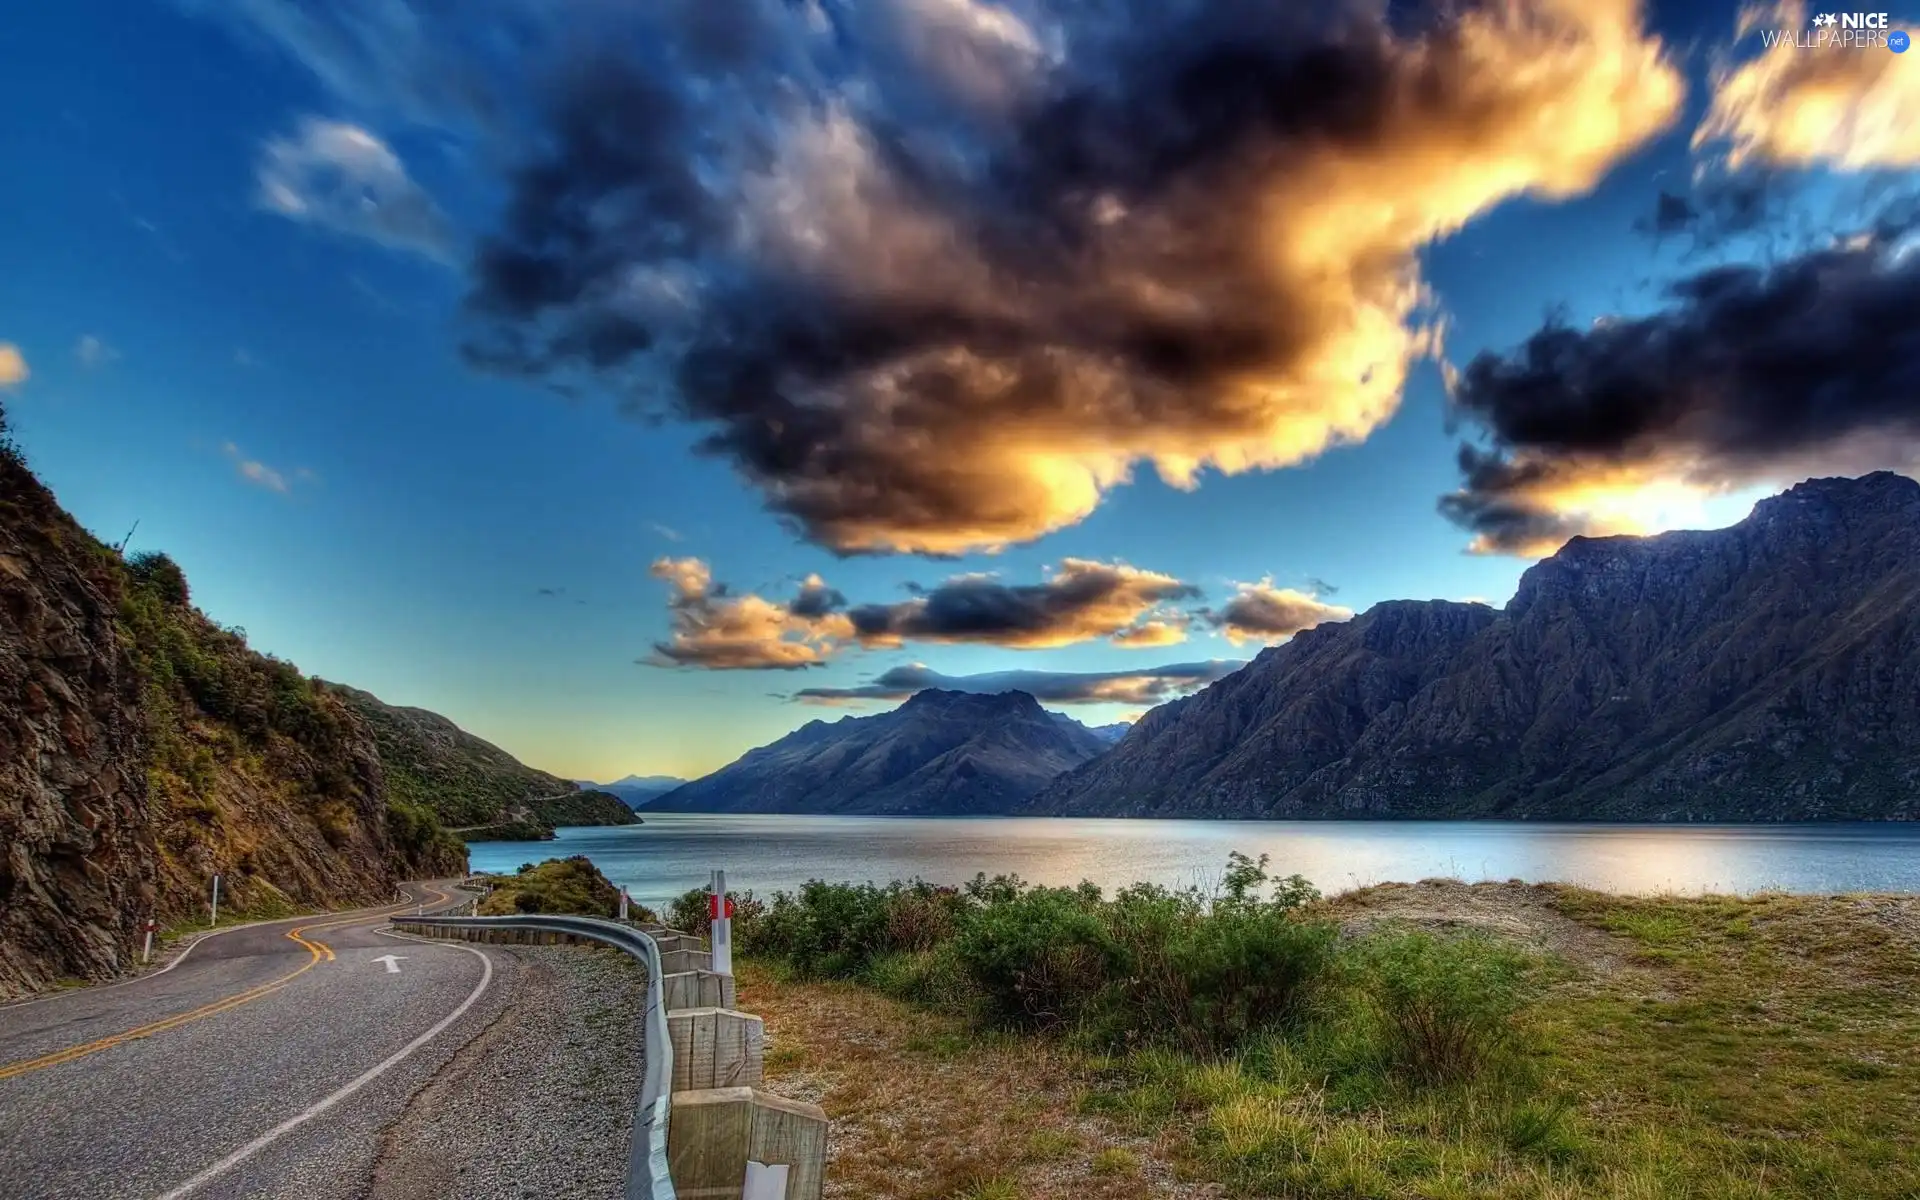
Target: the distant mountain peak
(940, 752)
(1009, 701)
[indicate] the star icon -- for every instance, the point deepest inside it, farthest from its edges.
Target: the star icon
(1826, 19)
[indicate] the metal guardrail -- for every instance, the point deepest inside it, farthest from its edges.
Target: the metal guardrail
(647, 1177)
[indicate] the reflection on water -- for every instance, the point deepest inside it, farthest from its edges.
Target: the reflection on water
(673, 852)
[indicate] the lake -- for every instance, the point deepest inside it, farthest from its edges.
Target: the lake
(673, 852)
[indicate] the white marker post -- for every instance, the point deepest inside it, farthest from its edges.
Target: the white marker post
(146, 950)
(625, 900)
(721, 910)
(216, 901)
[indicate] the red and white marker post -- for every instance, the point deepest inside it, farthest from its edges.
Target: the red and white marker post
(720, 908)
(625, 902)
(146, 950)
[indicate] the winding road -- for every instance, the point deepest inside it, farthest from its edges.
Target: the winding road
(263, 1062)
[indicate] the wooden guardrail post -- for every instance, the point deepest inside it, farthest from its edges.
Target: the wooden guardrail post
(716, 1048)
(697, 989)
(739, 1143)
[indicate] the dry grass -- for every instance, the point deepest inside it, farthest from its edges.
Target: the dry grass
(923, 1108)
(1708, 1048)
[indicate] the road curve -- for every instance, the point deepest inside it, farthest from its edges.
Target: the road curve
(251, 1068)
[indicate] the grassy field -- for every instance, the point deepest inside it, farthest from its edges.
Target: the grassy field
(1499, 1040)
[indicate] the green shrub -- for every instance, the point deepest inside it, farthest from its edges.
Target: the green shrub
(558, 885)
(692, 912)
(839, 929)
(158, 574)
(1446, 1006)
(9, 450)
(1040, 960)
(1239, 972)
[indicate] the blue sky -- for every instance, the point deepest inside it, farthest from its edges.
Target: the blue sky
(277, 394)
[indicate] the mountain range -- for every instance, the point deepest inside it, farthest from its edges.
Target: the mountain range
(1769, 671)
(637, 791)
(941, 752)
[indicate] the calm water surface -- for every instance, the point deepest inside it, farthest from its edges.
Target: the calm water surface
(673, 852)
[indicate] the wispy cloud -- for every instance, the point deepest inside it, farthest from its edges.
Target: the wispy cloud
(344, 178)
(92, 351)
(13, 365)
(261, 475)
(666, 531)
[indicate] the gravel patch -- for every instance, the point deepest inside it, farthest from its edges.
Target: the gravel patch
(540, 1104)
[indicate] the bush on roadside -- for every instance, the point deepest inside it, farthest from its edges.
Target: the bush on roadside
(692, 912)
(1044, 959)
(558, 885)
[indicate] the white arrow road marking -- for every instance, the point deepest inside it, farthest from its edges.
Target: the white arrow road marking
(393, 962)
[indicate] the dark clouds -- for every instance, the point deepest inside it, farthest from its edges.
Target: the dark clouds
(1751, 375)
(1264, 613)
(1078, 602)
(1150, 685)
(936, 274)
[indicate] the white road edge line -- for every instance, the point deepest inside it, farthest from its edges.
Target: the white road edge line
(301, 1118)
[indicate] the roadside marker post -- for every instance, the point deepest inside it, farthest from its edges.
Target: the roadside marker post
(146, 950)
(720, 909)
(216, 901)
(625, 901)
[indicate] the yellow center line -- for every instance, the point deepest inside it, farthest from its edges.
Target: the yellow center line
(317, 953)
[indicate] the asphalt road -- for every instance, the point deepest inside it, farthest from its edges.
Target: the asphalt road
(265, 1062)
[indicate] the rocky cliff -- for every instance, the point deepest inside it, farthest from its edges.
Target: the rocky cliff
(1768, 672)
(143, 748)
(78, 856)
(939, 754)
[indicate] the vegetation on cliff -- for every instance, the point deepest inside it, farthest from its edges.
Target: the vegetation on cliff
(585, 807)
(558, 885)
(473, 785)
(143, 748)
(256, 770)
(1498, 1040)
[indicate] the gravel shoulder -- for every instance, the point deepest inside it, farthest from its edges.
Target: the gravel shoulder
(540, 1102)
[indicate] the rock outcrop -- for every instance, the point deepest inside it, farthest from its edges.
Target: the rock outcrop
(939, 754)
(1765, 672)
(78, 861)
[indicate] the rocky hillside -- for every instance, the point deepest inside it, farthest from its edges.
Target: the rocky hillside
(1765, 672)
(939, 754)
(143, 748)
(471, 784)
